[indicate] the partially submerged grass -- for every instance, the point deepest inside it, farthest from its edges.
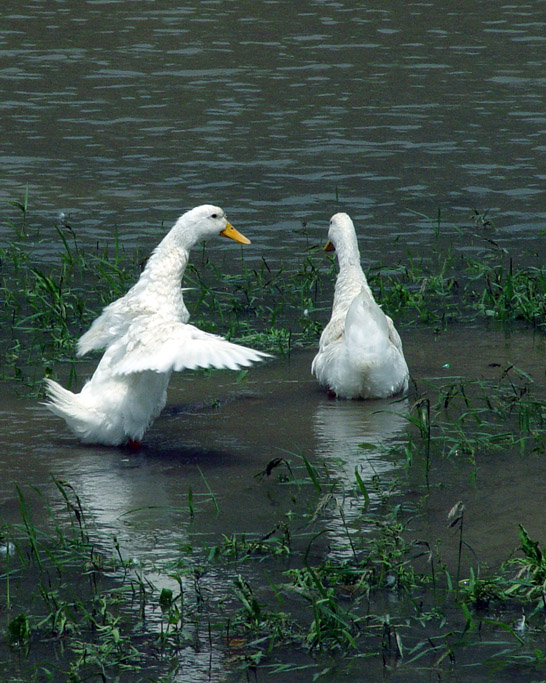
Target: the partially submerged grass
(58, 599)
(279, 601)
(284, 601)
(50, 301)
(465, 420)
(342, 573)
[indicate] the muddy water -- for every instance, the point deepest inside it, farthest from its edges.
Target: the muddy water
(223, 432)
(217, 435)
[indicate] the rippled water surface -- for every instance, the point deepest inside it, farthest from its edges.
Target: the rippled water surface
(128, 113)
(217, 436)
(222, 432)
(125, 114)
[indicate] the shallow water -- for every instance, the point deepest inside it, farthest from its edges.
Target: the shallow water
(125, 114)
(217, 436)
(225, 432)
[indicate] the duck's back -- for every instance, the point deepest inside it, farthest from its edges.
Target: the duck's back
(360, 352)
(360, 355)
(374, 350)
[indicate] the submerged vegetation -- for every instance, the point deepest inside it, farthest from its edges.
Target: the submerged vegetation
(280, 604)
(52, 294)
(279, 601)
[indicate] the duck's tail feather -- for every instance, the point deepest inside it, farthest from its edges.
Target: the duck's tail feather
(63, 402)
(72, 408)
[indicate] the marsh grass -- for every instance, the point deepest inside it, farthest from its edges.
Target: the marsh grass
(264, 304)
(288, 602)
(58, 595)
(468, 422)
(49, 302)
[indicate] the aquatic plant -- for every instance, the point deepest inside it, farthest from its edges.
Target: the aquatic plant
(366, 585)
(110, 618)
(530, 579)
(56, 586)
(50, 301)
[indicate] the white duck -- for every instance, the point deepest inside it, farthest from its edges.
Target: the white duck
(147, 337)
(360, 352)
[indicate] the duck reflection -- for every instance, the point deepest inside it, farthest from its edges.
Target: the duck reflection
(132, 509)
(124, 497)
(355, 437)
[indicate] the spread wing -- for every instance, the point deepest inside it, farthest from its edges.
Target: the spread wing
(161, 346)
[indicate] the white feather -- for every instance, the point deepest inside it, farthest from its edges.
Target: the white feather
(153, 344)
(360, 352)
(147, 337)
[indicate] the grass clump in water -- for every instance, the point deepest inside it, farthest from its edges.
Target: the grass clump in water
(51, 297)
(47, 297)
(63, 615)
(283, 601)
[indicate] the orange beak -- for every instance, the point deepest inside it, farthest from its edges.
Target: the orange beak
(229, 231)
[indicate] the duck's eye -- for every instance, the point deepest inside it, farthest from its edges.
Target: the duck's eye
(214, 215)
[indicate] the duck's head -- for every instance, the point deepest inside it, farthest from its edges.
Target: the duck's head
(206, 221)
(340, 232)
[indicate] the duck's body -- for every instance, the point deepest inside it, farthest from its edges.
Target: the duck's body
(360, 352)
(157, 291)
(147, 337)
(111, 409)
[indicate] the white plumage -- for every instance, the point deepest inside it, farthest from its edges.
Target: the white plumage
(360, 352)
(146, 337)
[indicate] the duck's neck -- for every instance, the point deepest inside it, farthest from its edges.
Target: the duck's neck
(160, 282)
(347, 252)
(350, 279)
(167, 264)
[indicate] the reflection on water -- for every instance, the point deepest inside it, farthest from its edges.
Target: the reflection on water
(353, 435)
(128, 113)
(217, 435)
(141, 499)
(125, 499)
(342, 427)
